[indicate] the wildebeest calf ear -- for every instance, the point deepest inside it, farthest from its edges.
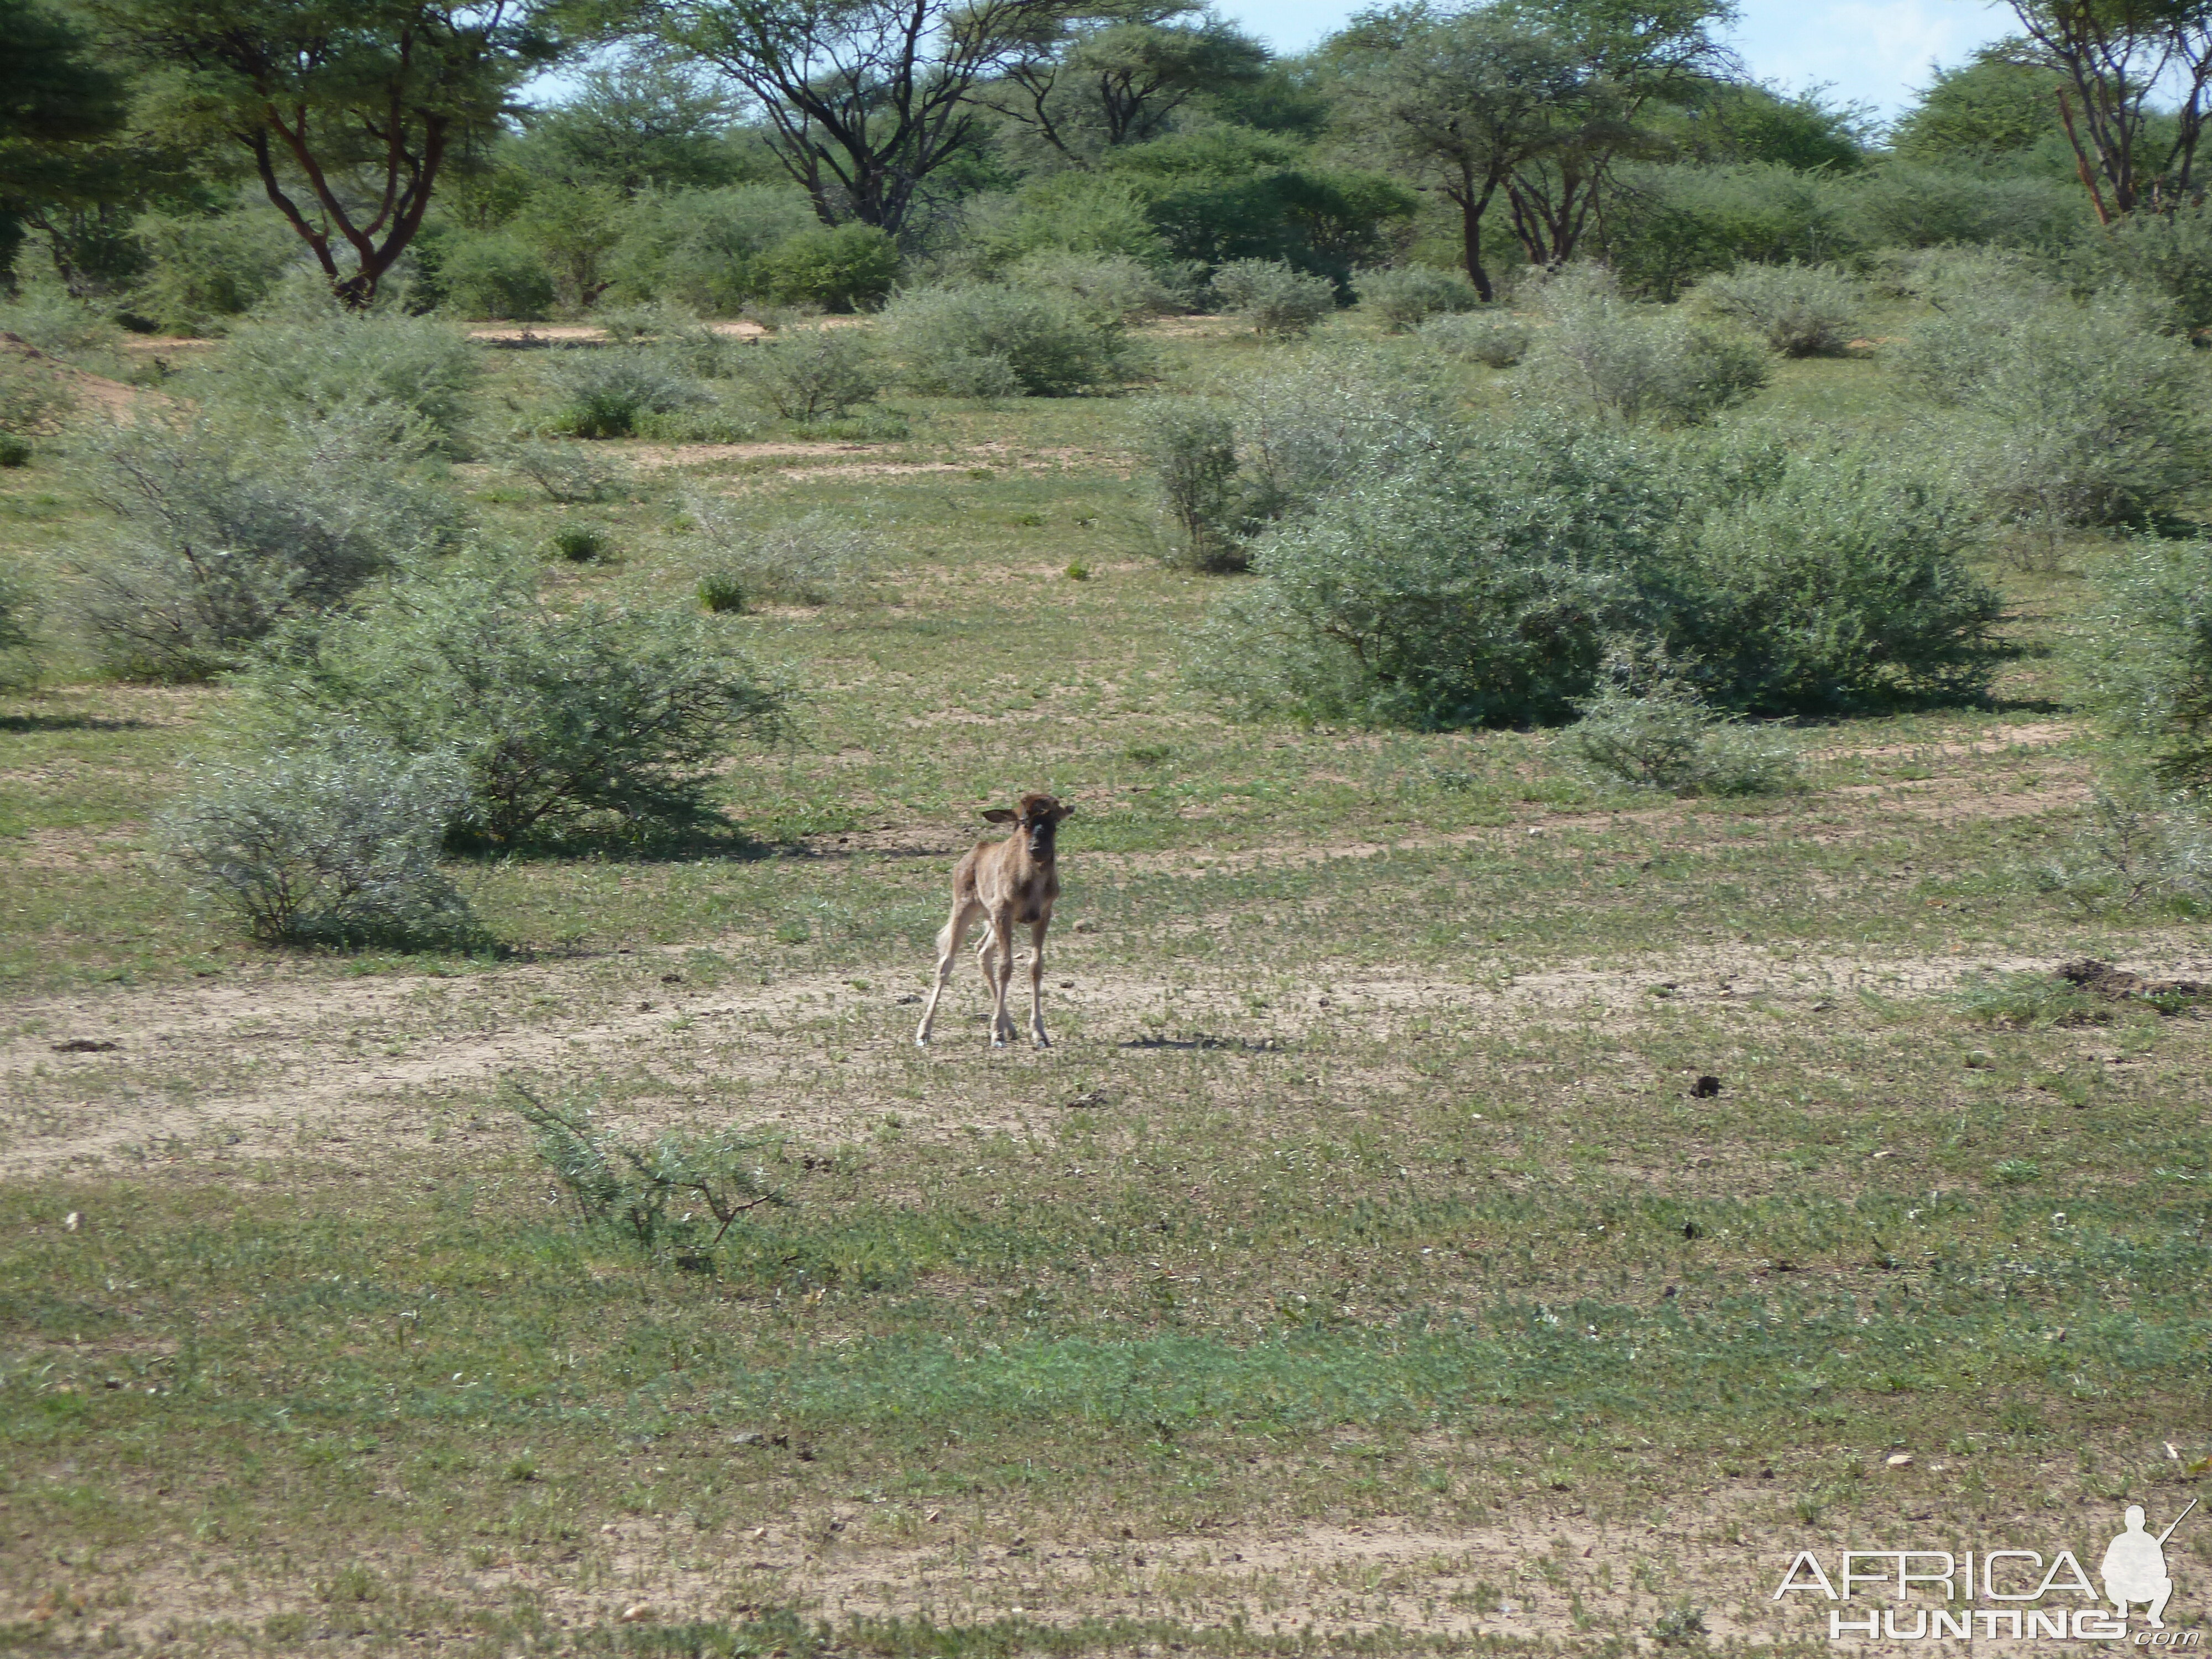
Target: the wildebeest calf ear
(998, 815)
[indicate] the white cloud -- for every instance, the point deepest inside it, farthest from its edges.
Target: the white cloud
(1874, 51)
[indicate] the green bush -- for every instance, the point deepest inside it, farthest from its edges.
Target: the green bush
(581, 543)
(1116, 286)
(1602, 354)
(2146, 655)
(605, 391)
(60, 326)
(1480, 583)
(633, 1188)
(14, 450)
(1498, 338)
(971, 341)
(201, 272)
(1191, 448)
(816, 560)
(1468, 588)
(810, 374)
(2136, 849)
(332, 844)
(849, 268)
(347, 362)
(1667, 225)
(1071, 212)
(1899, 205)
(221, 537)
(703, 248)
(1800, 310)
(722, 593)
(1279, 301)
(1831, 578)
(35, 398)
(2168, 253)
(560, 720)
(1649, 728)
(1297, 429)
(2066, 413)
(1406, 296)
(18, 665)
(493, 275)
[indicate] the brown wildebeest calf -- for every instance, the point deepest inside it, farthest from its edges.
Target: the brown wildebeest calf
(1010, 882)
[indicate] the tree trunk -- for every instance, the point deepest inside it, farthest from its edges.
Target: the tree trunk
(1470, 223)
(1472, 203)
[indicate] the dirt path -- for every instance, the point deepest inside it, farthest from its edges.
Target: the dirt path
(277, 1062)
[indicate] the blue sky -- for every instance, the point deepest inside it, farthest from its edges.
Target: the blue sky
(1871, 51)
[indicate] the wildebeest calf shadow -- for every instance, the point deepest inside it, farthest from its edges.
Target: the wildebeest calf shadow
(1203, 1039)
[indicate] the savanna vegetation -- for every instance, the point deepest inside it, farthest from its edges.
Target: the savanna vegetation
(1634, 656)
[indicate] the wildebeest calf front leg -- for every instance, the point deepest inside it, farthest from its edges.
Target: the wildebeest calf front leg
(1037, 984)
(1002, 946)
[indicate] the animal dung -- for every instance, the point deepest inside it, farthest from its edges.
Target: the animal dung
(1705, 1088)
(87, 1046)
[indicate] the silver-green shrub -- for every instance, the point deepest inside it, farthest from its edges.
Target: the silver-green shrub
(2137, 848)
(710, 1180)
(2062, 412)
(33, 396)
(59, 326)
(1279, 301)
(1114, 285)
(1816, 578)
(1298, 428)
(335, 843)
(220, 537)
(340, 362)
(569, 473)
(1470, 587)
(1479, 583)
(1600, 353)
(1406, 296)
(1648, 728)
(811, 373)
(1800, 310)
(975, 341)
(607, 391)
(1495, 337)
(586, 716)
(819, 559)
(18, 663)
(2146, 655)
(1190, 445)
(2169, 252)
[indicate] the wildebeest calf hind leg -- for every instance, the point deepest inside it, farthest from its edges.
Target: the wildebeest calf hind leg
(948, 946)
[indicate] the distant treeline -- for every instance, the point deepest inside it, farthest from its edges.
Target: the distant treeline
(177, 160)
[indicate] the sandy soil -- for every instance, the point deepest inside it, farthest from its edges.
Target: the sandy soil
(265, 1062)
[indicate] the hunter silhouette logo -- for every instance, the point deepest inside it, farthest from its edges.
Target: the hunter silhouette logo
(1988, 1593)
(2134, 1568)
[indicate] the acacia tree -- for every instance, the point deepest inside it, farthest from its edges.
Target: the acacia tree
(57, 102)
(1628, 55)
(865, 99)
(1460, 102)
(349, 110)
(1118, 76)
(2112, 56)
